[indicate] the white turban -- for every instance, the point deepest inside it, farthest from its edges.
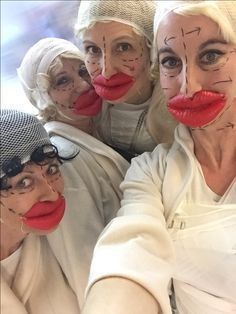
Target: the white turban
(137, 13)
(33, 71)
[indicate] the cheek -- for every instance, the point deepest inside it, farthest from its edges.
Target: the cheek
(57, 184)
(60, 97)
(11, 213)
(169, 86)
(93, 66)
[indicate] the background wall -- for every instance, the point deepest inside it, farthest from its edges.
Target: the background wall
(23, 23)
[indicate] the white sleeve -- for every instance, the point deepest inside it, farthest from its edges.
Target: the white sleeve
(136, 244)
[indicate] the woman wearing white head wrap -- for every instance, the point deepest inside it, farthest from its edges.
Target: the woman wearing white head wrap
(116, 38)
(171, 248)
(56, 82)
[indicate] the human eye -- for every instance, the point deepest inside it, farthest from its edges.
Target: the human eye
(123, 47)
(53, 169)
(61, 81)
(24, 183)
(83, 71)
(170, 62)
(93, 50)
(210, 56)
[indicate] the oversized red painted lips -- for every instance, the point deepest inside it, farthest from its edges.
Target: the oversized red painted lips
(113, 88)
(198, 110)
(88, 103)
(45, 215)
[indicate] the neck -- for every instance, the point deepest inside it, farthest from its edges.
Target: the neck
(216, 152)
(11, 240)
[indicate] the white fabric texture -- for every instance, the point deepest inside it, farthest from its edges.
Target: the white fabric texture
(139, 244)
(92, 196)
(35, 66)
(124, 125)
(39, 285)
(136, 13)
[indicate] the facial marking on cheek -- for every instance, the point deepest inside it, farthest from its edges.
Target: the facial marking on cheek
(92, 72)
(134, 61)
(228, 125)
(229, 80)
(52, 181)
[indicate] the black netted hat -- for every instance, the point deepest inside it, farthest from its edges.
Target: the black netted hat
(21, 135)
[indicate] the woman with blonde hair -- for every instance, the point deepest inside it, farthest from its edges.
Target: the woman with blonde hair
(56, 82)
(171, 248)
(116, 38)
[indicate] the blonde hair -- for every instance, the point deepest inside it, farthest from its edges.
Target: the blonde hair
(221, 12)
(51, 112)
(34, 71)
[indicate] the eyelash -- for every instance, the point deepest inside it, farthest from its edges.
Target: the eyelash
(61, 81)
(217, 54)
(211, 51)
(88, 48)
(20, 185)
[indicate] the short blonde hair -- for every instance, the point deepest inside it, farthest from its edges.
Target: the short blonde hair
(221, 12)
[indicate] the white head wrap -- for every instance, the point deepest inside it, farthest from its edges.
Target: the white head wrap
(35, 65)
(137, 13)
(222, 12)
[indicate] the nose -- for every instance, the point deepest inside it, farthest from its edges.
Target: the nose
(108, 64)
(47, 191)
(190, 84)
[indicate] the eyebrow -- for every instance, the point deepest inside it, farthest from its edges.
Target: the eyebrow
(165, 49)
(211, 42)
(202, 46)
(123, 37)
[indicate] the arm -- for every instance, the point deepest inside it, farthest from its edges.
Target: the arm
(135, 245)
(107, 293)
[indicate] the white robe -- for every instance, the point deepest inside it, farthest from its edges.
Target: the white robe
(53, 270)
(168, 215)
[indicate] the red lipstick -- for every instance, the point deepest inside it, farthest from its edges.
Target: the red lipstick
(113, 88)
(198, 110)
(88, 103)
(45, 215)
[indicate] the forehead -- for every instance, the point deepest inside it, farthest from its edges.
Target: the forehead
(191, 28)
(109, 29)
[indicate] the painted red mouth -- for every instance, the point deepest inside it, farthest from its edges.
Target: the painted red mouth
(45, 215)
(114, 88)
(198, 110)
(88, 103)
